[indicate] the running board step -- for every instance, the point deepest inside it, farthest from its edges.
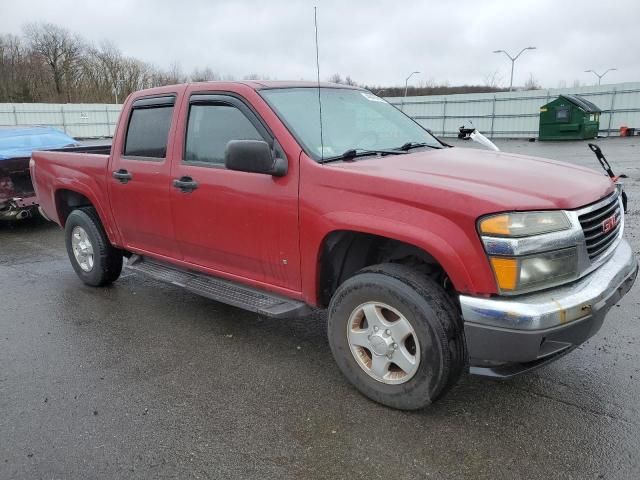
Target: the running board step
(225, 291)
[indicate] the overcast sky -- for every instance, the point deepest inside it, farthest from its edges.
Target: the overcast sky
(375, 42)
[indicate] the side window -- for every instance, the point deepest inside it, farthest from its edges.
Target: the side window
(211, 127)
(148, 131)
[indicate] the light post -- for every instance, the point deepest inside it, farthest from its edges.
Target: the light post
(406, 87)
(513, 61)
(598, 75)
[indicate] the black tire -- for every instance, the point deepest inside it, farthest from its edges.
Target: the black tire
(107, 259)
(436, 321)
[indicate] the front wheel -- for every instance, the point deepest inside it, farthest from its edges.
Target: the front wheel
(396, 335)
(92, 256)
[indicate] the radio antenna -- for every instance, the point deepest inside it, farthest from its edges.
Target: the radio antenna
(315, 20)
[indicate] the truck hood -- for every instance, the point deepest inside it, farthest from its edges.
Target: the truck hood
(502, 181)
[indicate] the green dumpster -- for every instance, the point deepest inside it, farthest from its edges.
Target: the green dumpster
(569, 117)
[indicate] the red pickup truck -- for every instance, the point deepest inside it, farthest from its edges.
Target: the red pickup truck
(432, 261)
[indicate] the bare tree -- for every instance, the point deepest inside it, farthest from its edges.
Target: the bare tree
(135, 75)
(103, 72)
(50, 64)
(60, 50)
(175, 74)
(17, 77)
(336, 78)
(493, 79)
(428, 83)
(349, 81)
(532, 83)
(204, 75)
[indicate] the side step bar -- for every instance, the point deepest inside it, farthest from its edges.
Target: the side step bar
(225, 291)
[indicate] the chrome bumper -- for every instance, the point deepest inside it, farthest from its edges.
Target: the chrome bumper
(538, 326)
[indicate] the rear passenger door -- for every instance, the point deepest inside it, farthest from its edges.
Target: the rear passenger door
(239, 223)
(140, 186)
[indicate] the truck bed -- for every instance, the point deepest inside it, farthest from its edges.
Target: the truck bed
(17, 170)
(83, 168)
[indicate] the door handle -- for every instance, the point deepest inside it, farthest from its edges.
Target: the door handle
(122, 175)
(186, 184)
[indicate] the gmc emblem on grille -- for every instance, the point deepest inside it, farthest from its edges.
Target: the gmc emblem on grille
(610, 223)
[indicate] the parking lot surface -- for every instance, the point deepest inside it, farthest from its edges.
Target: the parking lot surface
(145, 380)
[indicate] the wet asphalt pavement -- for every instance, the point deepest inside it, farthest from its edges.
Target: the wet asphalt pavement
(144, 380)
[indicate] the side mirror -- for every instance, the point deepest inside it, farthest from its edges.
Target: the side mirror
(253, 156)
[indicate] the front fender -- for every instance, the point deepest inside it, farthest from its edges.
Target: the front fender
(459, 252)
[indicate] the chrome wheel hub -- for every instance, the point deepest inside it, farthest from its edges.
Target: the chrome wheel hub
(383, 342)
(82, 248)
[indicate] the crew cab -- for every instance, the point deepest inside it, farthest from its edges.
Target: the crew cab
(431, 261)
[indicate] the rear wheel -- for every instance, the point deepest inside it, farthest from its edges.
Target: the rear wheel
(94, 259)
(396, 335)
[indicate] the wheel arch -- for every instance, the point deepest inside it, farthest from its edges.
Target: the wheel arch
(342, 253)
(66, 200)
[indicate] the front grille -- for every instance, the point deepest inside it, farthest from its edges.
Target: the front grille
(600, 232)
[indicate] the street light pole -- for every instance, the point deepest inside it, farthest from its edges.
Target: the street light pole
(598, 75)
(406, 87)
(513, 61)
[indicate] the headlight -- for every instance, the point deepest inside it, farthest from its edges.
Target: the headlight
(535, 271)
(512, 241)
(523, 224)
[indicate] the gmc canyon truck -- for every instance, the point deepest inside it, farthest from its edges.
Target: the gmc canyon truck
(432, 261)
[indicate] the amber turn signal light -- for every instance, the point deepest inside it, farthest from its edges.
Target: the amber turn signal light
(506, 272)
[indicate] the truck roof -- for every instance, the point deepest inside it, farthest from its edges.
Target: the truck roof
(253, 84)
(265, 84)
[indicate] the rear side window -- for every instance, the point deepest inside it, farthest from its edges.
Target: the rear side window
(211, 127)
(148, 132)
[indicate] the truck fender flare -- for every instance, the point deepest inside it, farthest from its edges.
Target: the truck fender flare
(433, 244)
(89, 193)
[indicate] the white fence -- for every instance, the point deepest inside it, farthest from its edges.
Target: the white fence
(516, 114)
(504, 114)
(80, 120)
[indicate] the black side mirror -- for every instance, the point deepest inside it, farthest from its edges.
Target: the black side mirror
(253, 156)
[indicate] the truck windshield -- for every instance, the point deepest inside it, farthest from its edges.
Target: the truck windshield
(351, 119)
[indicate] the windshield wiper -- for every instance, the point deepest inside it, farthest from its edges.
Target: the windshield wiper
(360, 152)
(409, 145)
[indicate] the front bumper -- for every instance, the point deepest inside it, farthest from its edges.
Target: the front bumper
(506, 336)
